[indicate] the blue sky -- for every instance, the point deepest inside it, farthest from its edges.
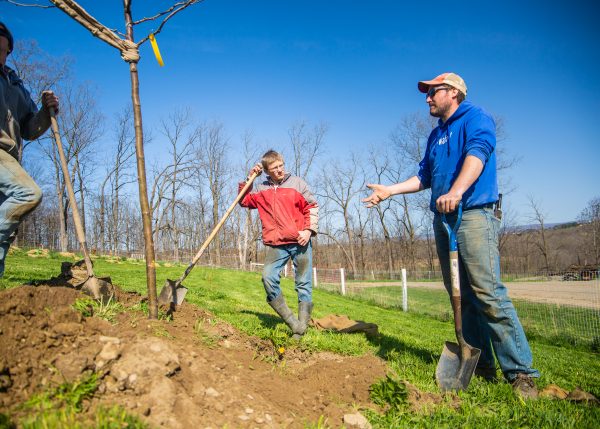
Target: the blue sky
(263, 65)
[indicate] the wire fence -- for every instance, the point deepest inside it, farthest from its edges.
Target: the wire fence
(552, 306)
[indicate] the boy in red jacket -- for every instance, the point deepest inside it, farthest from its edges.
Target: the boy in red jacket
(289, 215)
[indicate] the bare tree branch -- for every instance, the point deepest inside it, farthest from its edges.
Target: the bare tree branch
(41, 6)
(158, 15)
(183, 5)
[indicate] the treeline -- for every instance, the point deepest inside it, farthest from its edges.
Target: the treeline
(193, 179)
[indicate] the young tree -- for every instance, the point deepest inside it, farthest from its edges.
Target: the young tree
(129, 50)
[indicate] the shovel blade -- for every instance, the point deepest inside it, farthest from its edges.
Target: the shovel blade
(172, 293)
(453, 371)
(98, 288)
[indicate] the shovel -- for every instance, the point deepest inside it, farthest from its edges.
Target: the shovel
(458, 361)
(100, 289)
(173, 292)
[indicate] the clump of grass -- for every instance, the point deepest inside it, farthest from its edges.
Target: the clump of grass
(321, 423)
(209, 340)
(279, 336)
(104, 418)
(389, 393)
(117, 418)
(70, 395)
(160, 331)
(142, 306)
(104, 310)
(61, 407)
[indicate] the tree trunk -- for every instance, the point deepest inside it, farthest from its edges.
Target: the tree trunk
(142, 183)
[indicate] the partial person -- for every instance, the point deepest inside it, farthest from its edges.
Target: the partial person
(289, 215)
(460, 165)
(19, 119)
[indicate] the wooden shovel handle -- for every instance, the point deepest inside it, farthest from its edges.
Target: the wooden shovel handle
(76, 216)
(217, 227)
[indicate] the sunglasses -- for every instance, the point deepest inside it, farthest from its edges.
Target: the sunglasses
(433, 90)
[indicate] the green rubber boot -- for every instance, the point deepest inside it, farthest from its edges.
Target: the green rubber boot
(281, 308)
(304, 311)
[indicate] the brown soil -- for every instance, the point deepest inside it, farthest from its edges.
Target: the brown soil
(190, 372)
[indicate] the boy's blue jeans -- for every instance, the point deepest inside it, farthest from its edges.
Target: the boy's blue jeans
(19, 195)
(490, 321)
(275, 260)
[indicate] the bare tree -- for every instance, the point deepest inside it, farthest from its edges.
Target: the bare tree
(83, 127)
(250, 228)
(129, 51)
(340, 184)
(117, 176)
(505, 161)
(306, 145)
(539, 217)
(380, 163)
(181, 140)
(212, 164)
(591, 218)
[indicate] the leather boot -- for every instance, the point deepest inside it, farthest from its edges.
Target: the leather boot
(304, 311)
(281, 308)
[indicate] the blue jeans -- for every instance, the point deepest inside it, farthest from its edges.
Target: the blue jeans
(19, 195)
(275, 260)
(490, 321)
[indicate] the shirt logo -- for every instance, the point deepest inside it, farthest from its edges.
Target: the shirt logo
(444, 139)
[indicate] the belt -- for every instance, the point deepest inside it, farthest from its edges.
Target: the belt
(482, 206)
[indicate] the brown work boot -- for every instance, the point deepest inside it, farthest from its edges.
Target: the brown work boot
(524, 386)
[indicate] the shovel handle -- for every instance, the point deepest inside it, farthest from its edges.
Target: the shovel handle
(69, 185)
(217, 228)
(452, 231)
(454, 275)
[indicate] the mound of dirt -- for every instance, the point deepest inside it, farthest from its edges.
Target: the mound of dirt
(192, 371)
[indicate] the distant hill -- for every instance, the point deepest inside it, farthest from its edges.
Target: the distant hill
(536, 226)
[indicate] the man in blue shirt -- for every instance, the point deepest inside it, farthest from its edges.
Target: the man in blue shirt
(460, 165)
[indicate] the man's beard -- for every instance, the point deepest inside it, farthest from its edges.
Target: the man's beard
(437, 111)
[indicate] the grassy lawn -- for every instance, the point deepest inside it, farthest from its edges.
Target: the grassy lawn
(410, 343)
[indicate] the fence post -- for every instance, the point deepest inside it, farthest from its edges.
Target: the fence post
(315, 278)
(285, 270)
(343, 281)
(404, 291)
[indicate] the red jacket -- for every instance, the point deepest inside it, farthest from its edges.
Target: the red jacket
(284, 209)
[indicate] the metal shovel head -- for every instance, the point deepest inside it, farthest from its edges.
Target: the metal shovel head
(98, 288)
(454, 372)
(172, 293)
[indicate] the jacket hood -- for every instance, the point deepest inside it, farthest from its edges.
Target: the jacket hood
(463, 109)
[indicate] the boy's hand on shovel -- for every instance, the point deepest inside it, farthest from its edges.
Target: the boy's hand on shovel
(257, 169)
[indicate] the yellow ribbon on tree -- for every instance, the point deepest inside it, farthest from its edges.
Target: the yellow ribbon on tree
(156, 50)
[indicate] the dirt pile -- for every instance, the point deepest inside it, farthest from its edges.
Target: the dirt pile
(189, 372)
